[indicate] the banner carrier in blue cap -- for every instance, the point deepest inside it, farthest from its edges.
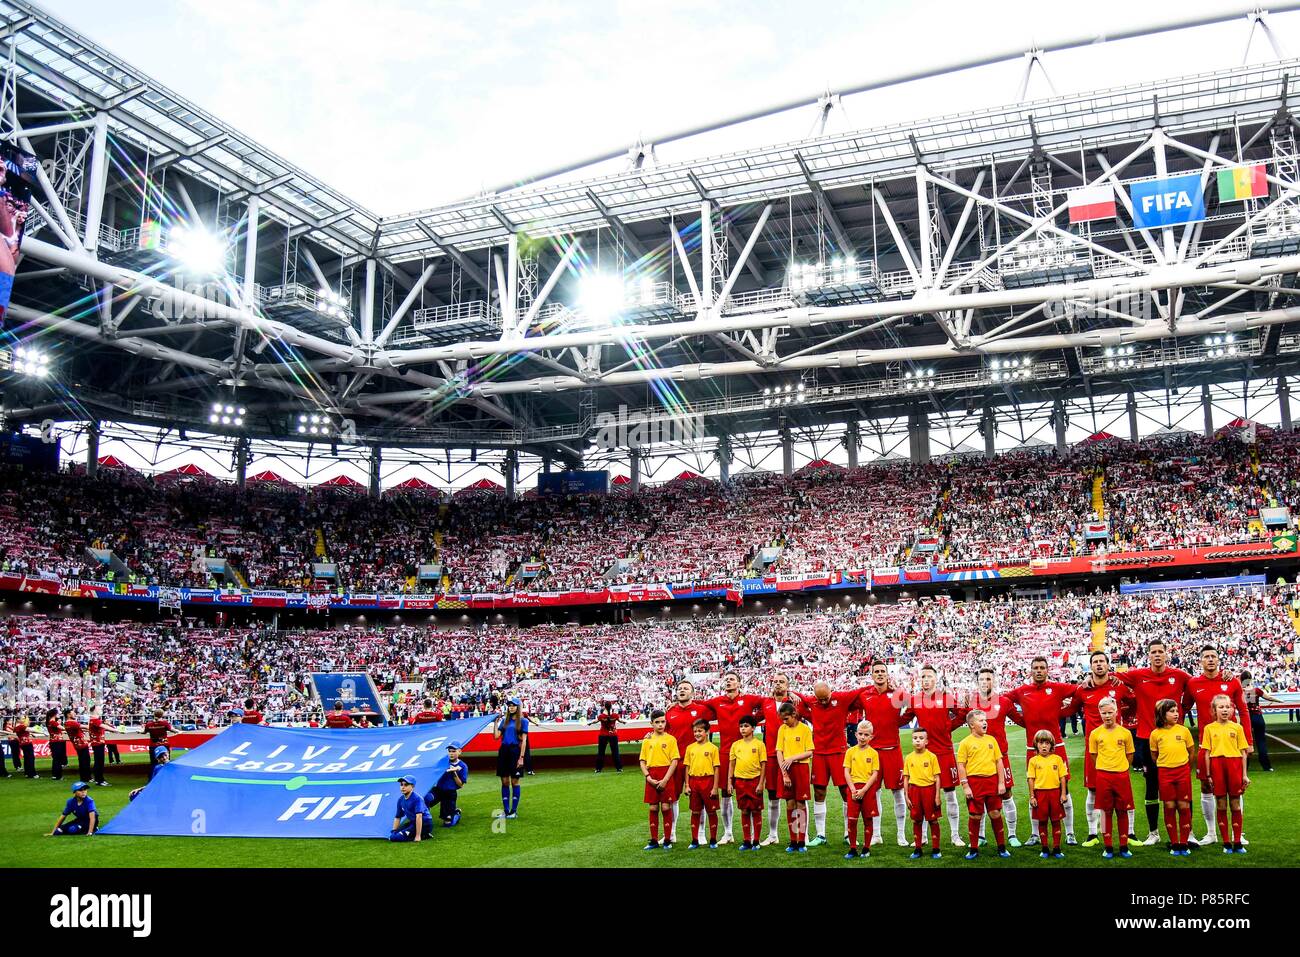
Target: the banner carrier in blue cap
(159, 751)
(406, 779)
(80, 786)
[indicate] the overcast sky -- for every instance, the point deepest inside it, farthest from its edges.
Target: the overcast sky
(450, 97)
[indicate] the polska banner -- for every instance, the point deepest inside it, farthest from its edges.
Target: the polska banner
(257, 781)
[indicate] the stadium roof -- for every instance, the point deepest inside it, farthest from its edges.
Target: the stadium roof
(897, 271)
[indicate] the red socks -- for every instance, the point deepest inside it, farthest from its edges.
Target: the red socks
(1172, 827)
(695, 827)
(792, 815)
(654, 825)
(1056, 837)
(1236, 825)
(1222, 817)
(973, 831)
(999, 832)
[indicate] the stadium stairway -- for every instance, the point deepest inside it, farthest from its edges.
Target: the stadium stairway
(1098, 634)
(320, 544)
(1099, 495)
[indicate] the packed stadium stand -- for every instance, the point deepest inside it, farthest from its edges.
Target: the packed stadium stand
(1159, 493)
(197, 672)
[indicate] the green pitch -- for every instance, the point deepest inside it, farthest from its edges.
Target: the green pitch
(574, 818)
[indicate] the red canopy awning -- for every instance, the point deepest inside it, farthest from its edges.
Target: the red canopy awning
(482, 485)
(820, 464)
(343, 481)
(621, 480)
(1100, 437)
(689, 476)
(187, 471)
(414, 484)
(111, 462)
(269, 477)
(1240, 423)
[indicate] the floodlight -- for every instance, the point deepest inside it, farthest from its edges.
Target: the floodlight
(28, 360)
(198, 251)
(600, 296)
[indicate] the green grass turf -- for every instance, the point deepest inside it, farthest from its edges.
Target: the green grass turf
(572, 818)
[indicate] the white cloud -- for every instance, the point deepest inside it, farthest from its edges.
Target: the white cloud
(451, 97)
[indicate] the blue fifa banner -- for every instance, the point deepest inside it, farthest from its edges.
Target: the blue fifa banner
(1168, 202)
(256, 781)
(354, 689)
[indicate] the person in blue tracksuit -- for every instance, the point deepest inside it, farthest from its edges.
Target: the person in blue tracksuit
(411, 821)
(511, 729)
(444, 792)
(81, 809)
(161, 757)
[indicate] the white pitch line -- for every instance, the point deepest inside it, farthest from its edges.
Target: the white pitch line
(1284, 741)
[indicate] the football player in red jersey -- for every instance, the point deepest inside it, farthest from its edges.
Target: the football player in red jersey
(1041, 704)
(251, 714)
(729, 707)
(935, 712)
(79, 745)
(338, 718)
(96, 729)
(427, 715)
(771, 727)
(886, 708)
(1151, 685)
(157, 728)
(828, 712)
(1087, 696)
(681, 717)
(998, 708)
(1201, 691)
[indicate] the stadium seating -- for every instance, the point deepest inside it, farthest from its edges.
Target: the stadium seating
(1156, 494)
(197, 672)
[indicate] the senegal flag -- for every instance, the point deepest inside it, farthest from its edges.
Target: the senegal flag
(1242, 182)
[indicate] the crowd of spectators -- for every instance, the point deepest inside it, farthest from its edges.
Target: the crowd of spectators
(197, 673)
(1160, 493)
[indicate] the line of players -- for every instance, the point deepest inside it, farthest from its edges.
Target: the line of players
(1038, 706)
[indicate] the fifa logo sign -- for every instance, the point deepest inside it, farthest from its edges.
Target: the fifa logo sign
(618, 431)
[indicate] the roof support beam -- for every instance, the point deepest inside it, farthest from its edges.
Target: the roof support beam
(755, 270)
(400, 312)
(629, 240)
(827, 210)
(920, 304)
(465, 263)
(168, 159)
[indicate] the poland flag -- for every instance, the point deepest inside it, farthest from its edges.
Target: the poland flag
(1091, 202)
